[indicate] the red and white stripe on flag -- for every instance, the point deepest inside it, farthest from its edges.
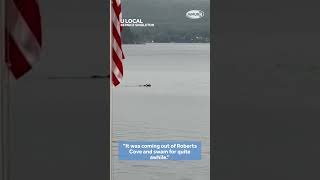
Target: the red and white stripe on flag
(116, 43)
(23, 35)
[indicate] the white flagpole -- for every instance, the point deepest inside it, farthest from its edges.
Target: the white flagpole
(110, 93)
(4, 98)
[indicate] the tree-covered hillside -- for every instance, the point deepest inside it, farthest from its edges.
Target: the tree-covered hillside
(169, 17)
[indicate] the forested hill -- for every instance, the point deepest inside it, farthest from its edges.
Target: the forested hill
(169, 17)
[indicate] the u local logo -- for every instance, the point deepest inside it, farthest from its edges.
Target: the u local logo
(195, 14)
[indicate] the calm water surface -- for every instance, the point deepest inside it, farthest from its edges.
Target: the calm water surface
(176, 107)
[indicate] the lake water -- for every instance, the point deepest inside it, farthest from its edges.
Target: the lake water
(176, 107)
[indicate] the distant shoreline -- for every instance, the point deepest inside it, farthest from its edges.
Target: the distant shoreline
(166, 43)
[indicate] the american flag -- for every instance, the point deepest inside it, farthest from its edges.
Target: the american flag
(116, 43)
(23, 35)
